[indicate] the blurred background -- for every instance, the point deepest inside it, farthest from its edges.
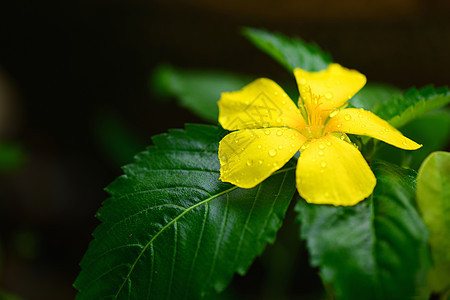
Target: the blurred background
(76, 104)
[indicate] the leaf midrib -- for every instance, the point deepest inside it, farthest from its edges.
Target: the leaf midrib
(175, 220)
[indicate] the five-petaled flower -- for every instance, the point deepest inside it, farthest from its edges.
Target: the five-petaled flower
(268, 129)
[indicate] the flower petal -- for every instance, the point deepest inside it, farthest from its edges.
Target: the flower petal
(363, 122)
(331, 171)
(249, 156)
(262, 103)
(334, 86)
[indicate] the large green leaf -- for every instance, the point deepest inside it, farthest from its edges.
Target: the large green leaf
(374, 250)
(290, 52)
(413, 104)
(433, 199)
(173, 230)
(196, 90)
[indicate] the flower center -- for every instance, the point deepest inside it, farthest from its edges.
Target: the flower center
(314, 117)
(313, 131)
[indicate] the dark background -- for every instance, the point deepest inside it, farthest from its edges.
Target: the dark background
(67, 68)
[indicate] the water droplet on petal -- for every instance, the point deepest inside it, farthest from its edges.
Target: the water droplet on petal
(279, 120)
(267, 131)
(342, 137)
(320, 152)
(328, 144)
(323, 164)
(279, 132)
(249, 162)
(347, 117)
(322, 147)
(338, 125)
(237, 180)
(273, 152)
(404, 143)
(275, 93)
(280, 147)
(360, 115)
(236, 141)
(327, 195)
(259, 146)
(333, 113)
(328, 96)
(275, 165)
(260, 161)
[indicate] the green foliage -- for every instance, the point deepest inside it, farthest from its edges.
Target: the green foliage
(374, 250)
(373, 95)
(12, 157)
(197, 91)
(413, 104)
(431, 130)
(433, 199)
(290, 52)
(8, 296)
(172, 229)
(117, 142)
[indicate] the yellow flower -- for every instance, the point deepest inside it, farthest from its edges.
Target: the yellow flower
(268, 129)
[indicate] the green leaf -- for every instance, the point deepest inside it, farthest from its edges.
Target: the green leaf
(373, 95)
(433, 199)
(413, 104)
(172, 229)
(374, 250)
(290, 52)
(196, 90)
(431, 130)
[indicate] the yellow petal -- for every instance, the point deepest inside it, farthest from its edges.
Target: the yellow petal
(249, 156)
(262, 103)
(331, 171)
(363, 122)
(331, 87)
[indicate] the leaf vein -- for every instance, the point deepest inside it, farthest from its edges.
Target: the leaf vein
(197, 248)
(172, 268)
(244, 228)
(165, 227)
(263, 228)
